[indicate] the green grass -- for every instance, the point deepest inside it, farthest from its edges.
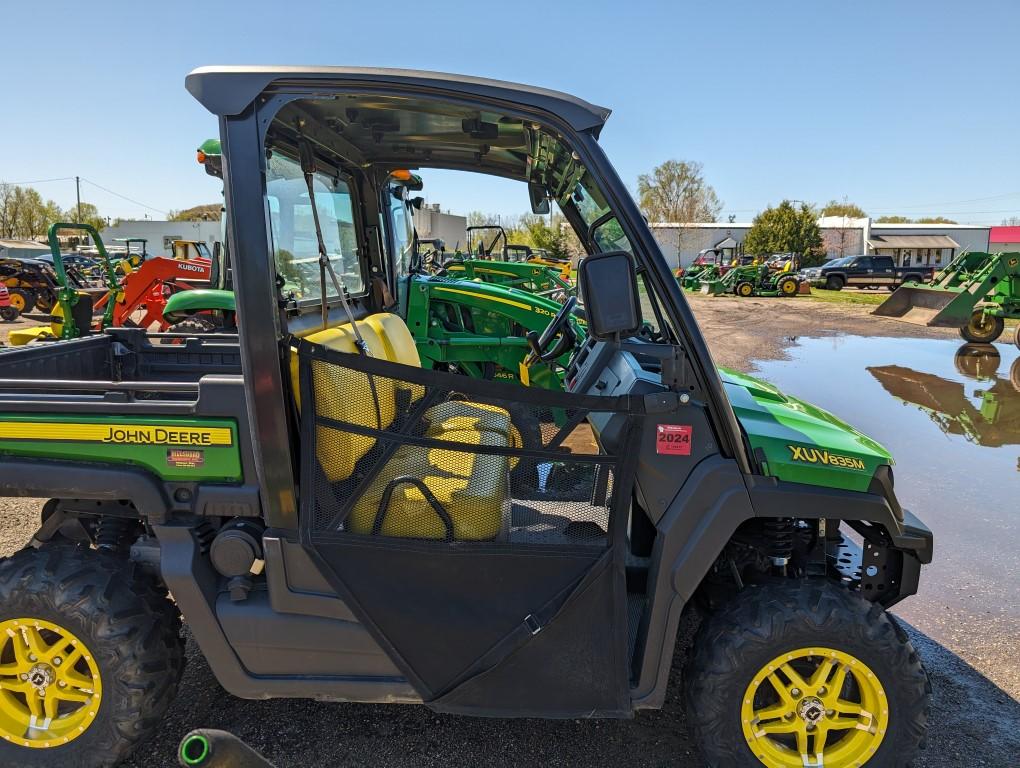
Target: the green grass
(848, 297)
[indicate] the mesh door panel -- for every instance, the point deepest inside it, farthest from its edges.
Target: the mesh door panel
(402, 454)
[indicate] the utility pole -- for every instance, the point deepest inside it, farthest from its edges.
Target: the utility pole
(77, 191)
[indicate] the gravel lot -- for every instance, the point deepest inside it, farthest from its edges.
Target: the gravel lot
(975, 719)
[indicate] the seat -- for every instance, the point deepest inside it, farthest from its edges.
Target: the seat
(420, 492)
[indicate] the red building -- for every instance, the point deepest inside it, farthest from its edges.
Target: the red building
(1004, 239)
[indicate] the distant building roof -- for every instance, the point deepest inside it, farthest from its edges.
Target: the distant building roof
(24, 244)
(912, 241)
(1004, 235)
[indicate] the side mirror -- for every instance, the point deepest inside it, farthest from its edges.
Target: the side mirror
(609, 290)
(539, 199)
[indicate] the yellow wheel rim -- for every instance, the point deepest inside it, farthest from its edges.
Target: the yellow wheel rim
(50, 689)
(814, 707)
(18, 301)
(789, 287)
(745, 290)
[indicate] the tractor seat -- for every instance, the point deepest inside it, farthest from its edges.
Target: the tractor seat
(420, 492)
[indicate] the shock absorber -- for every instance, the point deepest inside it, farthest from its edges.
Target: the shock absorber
(778, 540)
(112, 533)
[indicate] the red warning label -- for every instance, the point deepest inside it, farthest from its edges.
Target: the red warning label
(673, 439)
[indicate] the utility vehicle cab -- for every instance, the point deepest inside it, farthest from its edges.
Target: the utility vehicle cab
(394, 532)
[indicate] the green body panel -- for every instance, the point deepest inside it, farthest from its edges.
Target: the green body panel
(972, 281)
(172, 448)
(802, 443)
(480, 327)
(526, 276)
(184, 303)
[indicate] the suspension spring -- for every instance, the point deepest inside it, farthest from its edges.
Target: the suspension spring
(778, 534)
(113, 533)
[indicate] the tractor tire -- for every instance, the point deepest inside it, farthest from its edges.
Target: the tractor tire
(194, 325)
(744, 289)
(23, 299)
(45, 300)
(1016, 337)
(977, 361)
(743, 651)
(9, 314)
(834, 283)
(982, 328)
(1014, 375)
(788, 286)
(132, 655)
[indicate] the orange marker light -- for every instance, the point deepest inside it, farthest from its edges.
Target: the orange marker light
(201, 157)
(401, 175)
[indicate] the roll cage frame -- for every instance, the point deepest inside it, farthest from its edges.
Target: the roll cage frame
(247, 99)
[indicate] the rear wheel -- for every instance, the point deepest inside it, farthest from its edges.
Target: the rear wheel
(788, 287)
(834, 283)
(23, 299)
(744, 288)
(982, 328)
(805, 674)
(91, 657)
(9, 314)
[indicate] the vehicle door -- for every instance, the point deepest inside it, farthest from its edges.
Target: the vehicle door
(861, 271)
(884, 271)
(476, 528)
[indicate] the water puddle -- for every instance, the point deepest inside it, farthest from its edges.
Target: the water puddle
(950, 415)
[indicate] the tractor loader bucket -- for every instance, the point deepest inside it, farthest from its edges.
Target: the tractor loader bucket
(921, 305)
(713, 287)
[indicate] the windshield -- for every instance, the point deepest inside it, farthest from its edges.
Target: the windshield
(295, 245)
(840, 262)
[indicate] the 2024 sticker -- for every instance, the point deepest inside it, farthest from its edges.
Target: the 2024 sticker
(674, 439)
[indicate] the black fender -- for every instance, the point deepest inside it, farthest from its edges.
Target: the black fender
(46, 479)
(714, 501)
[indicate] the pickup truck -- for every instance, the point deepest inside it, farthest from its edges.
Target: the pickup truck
(864, 272)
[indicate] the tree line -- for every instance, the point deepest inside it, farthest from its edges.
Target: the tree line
(24, 214)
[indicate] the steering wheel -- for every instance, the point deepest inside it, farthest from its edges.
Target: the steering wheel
(559, 330)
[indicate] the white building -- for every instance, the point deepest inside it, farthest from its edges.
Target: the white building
(430, 222)
(909, 244)
(161, 234)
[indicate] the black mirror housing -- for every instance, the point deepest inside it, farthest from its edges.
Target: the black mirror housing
(609, 289)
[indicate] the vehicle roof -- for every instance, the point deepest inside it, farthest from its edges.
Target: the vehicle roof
(228, 90)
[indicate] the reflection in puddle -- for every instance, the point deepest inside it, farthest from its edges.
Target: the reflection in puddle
(951, 418)
(993, 421)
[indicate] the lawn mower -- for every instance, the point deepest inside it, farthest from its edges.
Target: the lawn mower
(752, 281)
(8, 313)
(976, 292)
(336, 521)
(32, 283)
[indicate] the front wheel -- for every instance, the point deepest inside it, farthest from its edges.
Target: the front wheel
(982, 328)
(805, 674)
(9, 314)
(744, 289)
(834, 283)
(23, 299)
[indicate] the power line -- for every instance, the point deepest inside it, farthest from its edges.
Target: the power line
(38, 181)
(125, 197)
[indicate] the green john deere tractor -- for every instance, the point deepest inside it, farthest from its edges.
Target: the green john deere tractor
(752, 280)
(976, 292)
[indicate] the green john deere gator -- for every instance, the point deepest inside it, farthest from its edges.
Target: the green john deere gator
(336, 521)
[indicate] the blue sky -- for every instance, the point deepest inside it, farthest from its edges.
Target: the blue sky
(902, 107)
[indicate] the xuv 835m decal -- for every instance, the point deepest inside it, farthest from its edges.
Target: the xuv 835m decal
(821, 456)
